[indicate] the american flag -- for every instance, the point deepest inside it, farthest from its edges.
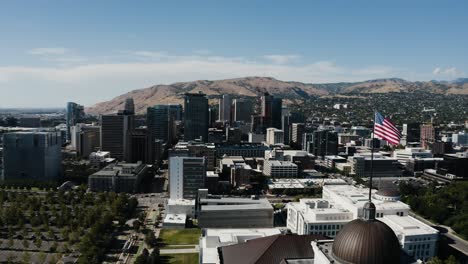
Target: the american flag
(385, 129)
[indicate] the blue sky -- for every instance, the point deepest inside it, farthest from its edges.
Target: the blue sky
(88, 51)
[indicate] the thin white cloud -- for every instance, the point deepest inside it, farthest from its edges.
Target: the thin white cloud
(450, 72)
(92, 82)
(48, 51)
(281, 58)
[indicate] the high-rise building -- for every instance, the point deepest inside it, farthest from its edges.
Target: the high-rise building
(242, 110)
(324, 143)
(114, 134)
(225, 108)
(271, 111)
(186, 176)
(196, 117)
(160, 121)
(75, 113)
(129, 108)
(428, 135)
(274, 136)
(276, 111)
(411, 133)
(140, 146)
(85, 139)
(297, 130)
(32, 155)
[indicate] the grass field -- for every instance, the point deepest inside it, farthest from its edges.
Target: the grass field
(180, 259)
(179, 236)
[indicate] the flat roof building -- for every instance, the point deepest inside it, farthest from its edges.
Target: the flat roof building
(118, 177)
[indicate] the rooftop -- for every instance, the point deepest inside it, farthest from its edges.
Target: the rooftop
(407, 225)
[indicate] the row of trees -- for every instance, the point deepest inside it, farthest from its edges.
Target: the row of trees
(79, 220)
(446, 205)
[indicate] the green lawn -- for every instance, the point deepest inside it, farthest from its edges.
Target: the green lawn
(180, 258)
(179, 236)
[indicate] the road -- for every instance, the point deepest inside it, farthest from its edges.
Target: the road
(458, 243)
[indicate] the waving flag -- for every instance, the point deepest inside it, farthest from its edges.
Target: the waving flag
(385, 129)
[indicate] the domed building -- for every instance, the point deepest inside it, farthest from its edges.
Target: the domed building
(361, 241)
(388, 194)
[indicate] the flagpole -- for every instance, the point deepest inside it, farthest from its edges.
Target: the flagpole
(372, 160)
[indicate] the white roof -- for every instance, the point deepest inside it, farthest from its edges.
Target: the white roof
(180, 202)
(407, 225)
(175, 218)
(357, 197)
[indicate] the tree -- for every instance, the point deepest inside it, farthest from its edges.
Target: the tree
(25, 243)
(155, 256)
(150, 238)
(42, 257)
(136, 225)
(26, 258)
(451, 260)
(38, 243)
(143, 258)
(435, 260)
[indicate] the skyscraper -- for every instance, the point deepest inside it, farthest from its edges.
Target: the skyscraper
(242, 110)
(32, 155)
(225, 108)
(114, 134)
(160, 121)
(196, 117)
(411, 133)
(85, 139)
(75, 113)
(276, 111)
(271, 111)
(324, 143)
(140, 146)
(129, 108)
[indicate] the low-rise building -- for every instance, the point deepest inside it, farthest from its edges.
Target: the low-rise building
(342, 203)
(213, 238)
(403, 155)
(118, 177)
(223, 212)
(277, 168)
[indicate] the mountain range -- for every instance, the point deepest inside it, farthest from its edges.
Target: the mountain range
(290, 91)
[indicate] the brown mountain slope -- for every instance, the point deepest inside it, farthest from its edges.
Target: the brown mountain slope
(254, 86)
(250, 86)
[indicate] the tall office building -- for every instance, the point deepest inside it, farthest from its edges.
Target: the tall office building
(274, 136)
(324, 142)
(242, 110)
(75, 114)
(140, 146)
(85, 139)
(160, 122)
(195, 117)
(32, 155)
(271, 110)
(276, 112)
(428, 135)
(411, 133)
(186, 176)
(225, 108)
(114, 134)
(129, 108)
(297, 130)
